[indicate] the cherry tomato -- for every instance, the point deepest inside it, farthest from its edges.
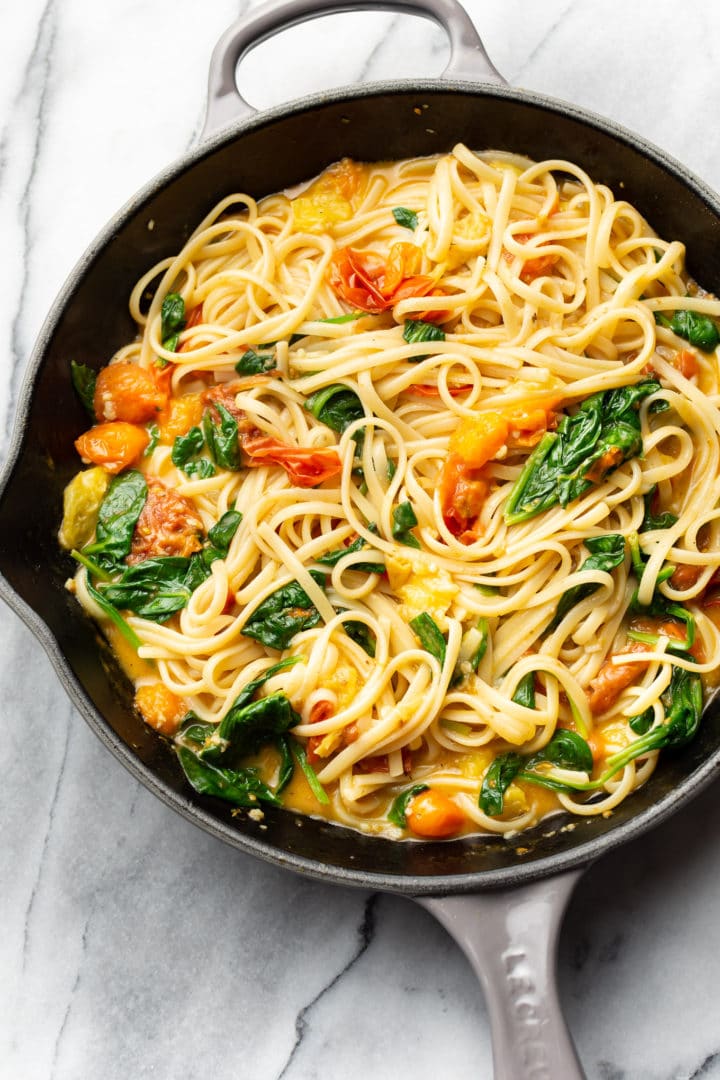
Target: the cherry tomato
(433, 814)
(128, 392)
(115, 446)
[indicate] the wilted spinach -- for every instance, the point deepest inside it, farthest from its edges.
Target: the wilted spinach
(284, 613)
(407, 218)
(404, 519)
(84, 379)
(117, 518)
(337, 406)
(604, 430)
(172, 317)
(256, 363)
(698, 329)
(332, 558)
(222, 439)
(417, 330)
(430, 636)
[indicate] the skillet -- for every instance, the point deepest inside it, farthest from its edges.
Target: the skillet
(344, 122)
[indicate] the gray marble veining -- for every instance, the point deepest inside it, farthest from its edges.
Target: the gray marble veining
(135, 946)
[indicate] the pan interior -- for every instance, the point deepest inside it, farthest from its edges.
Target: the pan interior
(267, 155)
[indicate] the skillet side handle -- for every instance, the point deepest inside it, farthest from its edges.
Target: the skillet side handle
(468, 59)
(510, 938)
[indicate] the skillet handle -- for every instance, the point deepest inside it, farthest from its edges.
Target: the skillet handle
(468, 59)
(510, 938)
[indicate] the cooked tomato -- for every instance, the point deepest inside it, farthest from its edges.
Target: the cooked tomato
(306, 467)
(685, 576)
(194, 318)
(370, 283)
(463, 491)
(168, 525)
(611, 679)
(225, 395)
(477, 439)
(535, 267)
(160, 708)
(434, 815)
(330, 199)
(115, 446)
(178, 416)
(686, 363)
(423, 390)
(128, 392)
(647, 624)
(602, 466)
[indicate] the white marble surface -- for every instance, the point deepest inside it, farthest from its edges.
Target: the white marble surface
(132, 944)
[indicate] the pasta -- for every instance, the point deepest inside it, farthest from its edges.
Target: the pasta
(406, 497)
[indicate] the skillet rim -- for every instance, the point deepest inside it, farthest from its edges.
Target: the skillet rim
(521, 873)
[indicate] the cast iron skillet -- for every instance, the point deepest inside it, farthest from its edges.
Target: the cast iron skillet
(503, 907)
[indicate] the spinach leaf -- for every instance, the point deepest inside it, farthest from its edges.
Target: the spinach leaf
(397, 813)
(309, 773)
(154, 433)
(284, 614)
(404, 519)
(642, 723)
(332, 558)
(430, 635)
(698, 329)
(248, 726)
(186, 447)
(418, 330)
(222, 533)
(337, 406)
(247, 693)
(664, 520)
(156, 588)
(525, 691)
(472, 650)
(362, 635)
(117, 518)
(683, 701)
(567, 750)
(604, 432)
(222, 439)
(287, 764)
(351, 316)
(407, 218)
(255, 363)
(241, 787)
(607, 553)
(660, 606)
(172, 317)
(113, 615)
(202, 468)
(84, 379)
(497, 780)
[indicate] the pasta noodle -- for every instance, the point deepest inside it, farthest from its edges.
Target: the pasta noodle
(468, 410)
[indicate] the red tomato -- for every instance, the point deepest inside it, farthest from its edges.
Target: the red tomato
(306, 467)
(370, 283)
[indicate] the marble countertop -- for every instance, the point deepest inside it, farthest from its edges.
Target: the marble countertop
(133, 944)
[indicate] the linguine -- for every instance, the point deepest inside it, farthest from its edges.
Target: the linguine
(473, 597)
